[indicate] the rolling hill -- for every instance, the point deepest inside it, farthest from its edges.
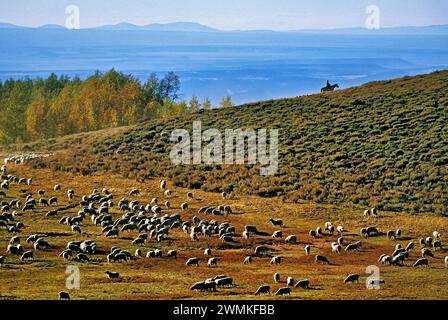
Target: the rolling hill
(383, 144)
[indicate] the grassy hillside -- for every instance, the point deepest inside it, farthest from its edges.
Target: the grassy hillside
(383, 144)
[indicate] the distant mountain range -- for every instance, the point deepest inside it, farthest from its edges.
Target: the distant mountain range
(197, 27)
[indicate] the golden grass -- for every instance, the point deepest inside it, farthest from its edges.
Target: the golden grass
(170, 279)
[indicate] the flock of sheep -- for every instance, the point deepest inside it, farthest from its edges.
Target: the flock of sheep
(150, 223)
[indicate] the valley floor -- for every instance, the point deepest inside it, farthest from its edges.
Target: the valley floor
(168, 278)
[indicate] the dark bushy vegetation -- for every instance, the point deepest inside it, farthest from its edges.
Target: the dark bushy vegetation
(382, 144)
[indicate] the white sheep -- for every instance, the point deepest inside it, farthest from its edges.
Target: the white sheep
(212, 262)
(248, 260)
(308, 250)
(277, 278)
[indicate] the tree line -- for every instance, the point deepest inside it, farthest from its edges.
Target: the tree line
(33, 109)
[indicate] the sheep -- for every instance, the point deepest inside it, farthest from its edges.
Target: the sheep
(422, 242)
(421, 262)
(112, 233)
(76, 228)
(162, 185)
(321, 259)
(340, 241)
(352, 278)
(168, 193)
(82, 257)
(260, 250)
(2, 260)
(192, 261)
(276, 223)
(172, 254)
(57, 187)
(248, 260)
(27, 255)
(184, 206)
(319, 231)
(290, 282)
(283, 291)
(277, 234)
(446, 262)
(291, 239)
(227, 281)
(246, 235)
(208, 252)
(398, 233)
(384, 259)
(312, 234)
(429, 241)
(112, 275)
(391, 235)
(190, 195)
(204, 286)
(304, 284)
(138, 241)
(374, 212)
(212, 262)
(436, 235)
(251, 229)
(40, 192)
(308, 250)
(410, 246)
(14, 240)
(427, 253)
(366, 213)
(64, 295)
(351, 247)
(437, 245)
(277, 278)
(134, 192)
(340, 230)
(275, 260)
(224, 195)
(398, 246)
(336, 248)
(263, 290)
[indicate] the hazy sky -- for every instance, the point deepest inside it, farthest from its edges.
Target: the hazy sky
(228, 14)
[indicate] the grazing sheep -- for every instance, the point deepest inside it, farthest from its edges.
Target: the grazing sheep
(422, 242)
(246, 235)
(398, 233)
(190, 195)
(384, 259)
(208, 252)
(336, 248)
(429, 241)
(351, 247)
(276, 223)
(248, 260)
(410, 246)
(308, 250)
(251, 229)
(27, 255)
(283, 291)
(427, 253)
(204, 286)
(276, 260)
(340, 230)
(352, 278)
(391, 235)
(277, 278)
(277, 234)
(321, 259)
(184, 206)
(222, 282)
(312, 234)
(341, 241)
(192, 261)
(437, 245)
(260, 250)
(421, 262)
(436, 235)
(224, 195)
(64, 295)
(290, 282)
(2, 260)
(76, 228)
(212, 262)
(319, 231)
(138, 241)
(446, 262)
(366, 213)
(304, 284)
(57, 187)
(291, 239)
(374, 212)
(112, 275)
(172, 254)
(263, 290)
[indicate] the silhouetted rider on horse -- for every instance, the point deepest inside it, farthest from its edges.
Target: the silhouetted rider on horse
(329, 87)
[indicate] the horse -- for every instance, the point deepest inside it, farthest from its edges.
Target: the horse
(329, 89)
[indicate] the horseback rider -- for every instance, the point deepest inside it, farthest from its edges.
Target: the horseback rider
(328, 84)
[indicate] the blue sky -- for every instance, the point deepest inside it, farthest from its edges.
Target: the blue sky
(228, 14)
